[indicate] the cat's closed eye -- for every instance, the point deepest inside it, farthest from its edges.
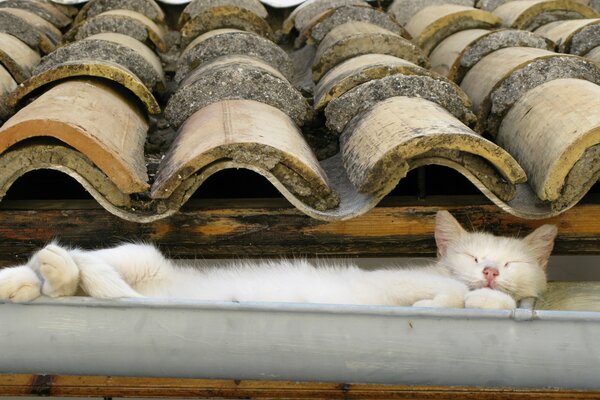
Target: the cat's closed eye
(473, 257)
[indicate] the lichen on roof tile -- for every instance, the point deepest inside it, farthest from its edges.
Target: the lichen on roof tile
(254, 79)
(18, 58)
(577, 36)
(42, 9)
(223, 42)
(36, 32)
(404, 10)
(531, 14)
(357, 38)
(147, 7)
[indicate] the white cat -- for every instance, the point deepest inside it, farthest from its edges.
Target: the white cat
(476, 270)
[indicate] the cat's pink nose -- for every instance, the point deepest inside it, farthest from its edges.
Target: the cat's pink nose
(490, 274)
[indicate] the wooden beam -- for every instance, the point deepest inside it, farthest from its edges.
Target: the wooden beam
(111, 386)
(272, 228)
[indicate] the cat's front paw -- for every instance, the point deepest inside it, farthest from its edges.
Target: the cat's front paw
(19, 284)
(60, 273)
(489, 299)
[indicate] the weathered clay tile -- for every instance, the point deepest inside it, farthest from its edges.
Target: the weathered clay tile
(244, 134)
(23, 159)
(222, 42)
(126, 22)
(531, 14)
(399, 134)
(433, 24)
(577, 36)
(303, 15)
(434, 88)
(254, 79)
(93, 118)
(455, 55)
(594, 55)
(42, 9)
(18, 58)
(554, 133)
(404, 10)
(87, 68)
(496, 82)
(7, 85)
(358, 70)
(147, 7)
(320, 26)
(35, 31)
(201, 16)
(357, 38)
(490, 5)
(111, 47)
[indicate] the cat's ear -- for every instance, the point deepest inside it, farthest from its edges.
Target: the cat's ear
(541, 242)
(447, 231)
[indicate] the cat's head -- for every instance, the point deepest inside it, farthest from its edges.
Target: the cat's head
(514, 266)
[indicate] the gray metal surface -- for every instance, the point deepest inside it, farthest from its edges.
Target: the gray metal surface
(304, 342)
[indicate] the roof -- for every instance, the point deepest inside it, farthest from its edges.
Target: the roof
(506, 94)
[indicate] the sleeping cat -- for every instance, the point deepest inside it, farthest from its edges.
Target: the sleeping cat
(475, 270)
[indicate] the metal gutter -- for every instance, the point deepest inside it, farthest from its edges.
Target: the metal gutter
(302, 342)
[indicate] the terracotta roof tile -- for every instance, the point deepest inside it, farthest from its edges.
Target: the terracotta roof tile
(42, 9)
(357, 38)
(433, 24)
(229, 92)
(531, 14)
(36, 32)
(577, 36)
(147, 7)
(18, 58)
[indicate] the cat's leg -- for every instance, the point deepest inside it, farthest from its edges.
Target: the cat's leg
(123, 271)
(19, 284)
(65, 270)
(489, 299)
(58, 269)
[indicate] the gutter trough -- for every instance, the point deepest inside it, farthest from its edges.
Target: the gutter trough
(522, 348)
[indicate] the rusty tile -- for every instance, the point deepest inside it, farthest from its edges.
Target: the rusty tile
(456, 54)
(435, 88)
(36, 32)
(307, 11)
(201, 16)
(402, 133)
(254, 80)
(42, 9)
(111, 47)
(531, 14)
(496, 82)
(149, 8)
(18, 58)
(93, 118)
(244, 134)
(357, 38)
(358, 70)
(322, 24)
(222, 42)
(126, 22)
(554, 133)
(88, 68)
(577, 36)
(433, 24)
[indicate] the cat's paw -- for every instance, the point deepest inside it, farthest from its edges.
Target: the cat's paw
(60, 273)
(489, 299)
(19, 284)
(425, 303)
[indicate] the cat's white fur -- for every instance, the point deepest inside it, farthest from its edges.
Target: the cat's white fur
(457, 279)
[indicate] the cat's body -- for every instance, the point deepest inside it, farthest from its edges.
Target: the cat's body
(473, 270)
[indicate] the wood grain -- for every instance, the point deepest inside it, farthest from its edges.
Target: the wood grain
(111, 386)
(400, 226)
